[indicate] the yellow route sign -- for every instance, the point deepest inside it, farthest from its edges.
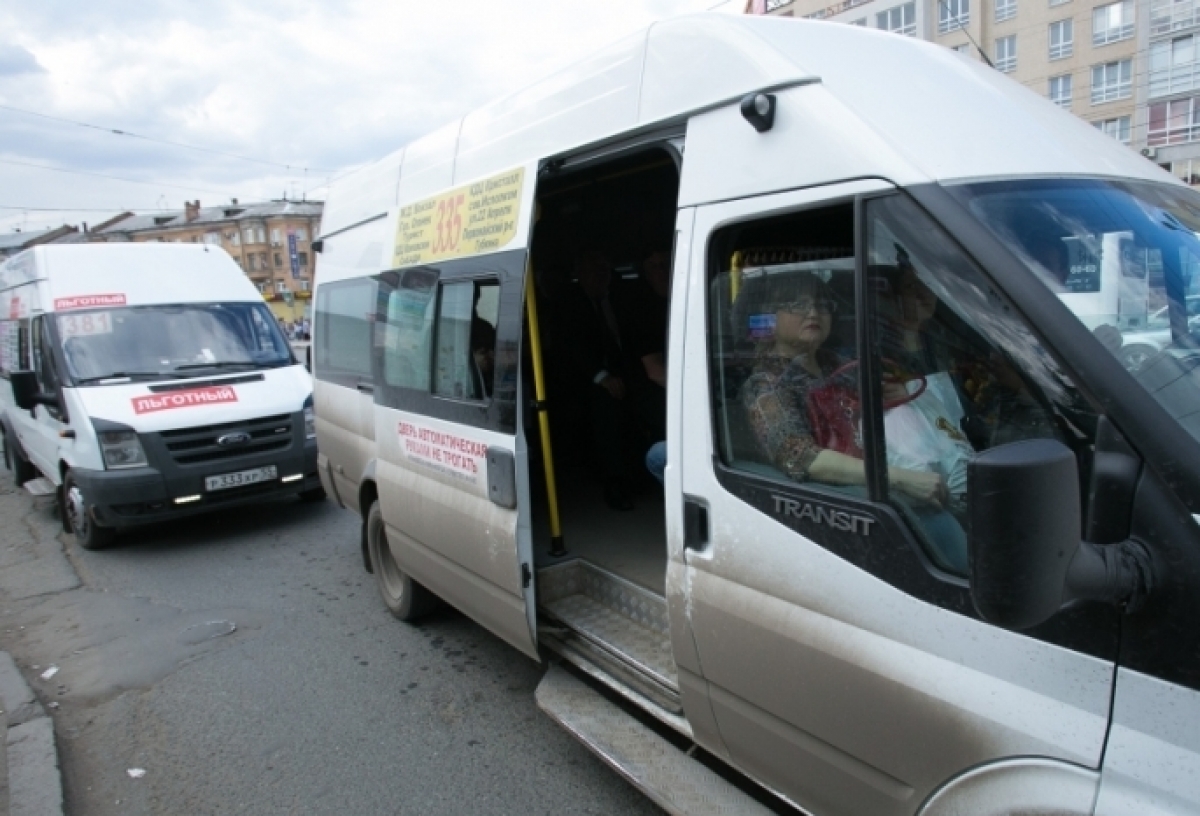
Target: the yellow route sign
(468, 220)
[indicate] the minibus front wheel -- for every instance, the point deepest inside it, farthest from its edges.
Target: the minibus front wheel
(78, 512)
(404, 597)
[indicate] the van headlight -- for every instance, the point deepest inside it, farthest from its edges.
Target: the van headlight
(310, 423)
(122, 449)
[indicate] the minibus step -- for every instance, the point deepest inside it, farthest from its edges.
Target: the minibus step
(665, 773)
(40, 486)
(618, 616)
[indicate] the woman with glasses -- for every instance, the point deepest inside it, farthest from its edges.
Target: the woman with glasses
(802, 398)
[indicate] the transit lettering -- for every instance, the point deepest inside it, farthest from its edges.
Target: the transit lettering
(814, 513)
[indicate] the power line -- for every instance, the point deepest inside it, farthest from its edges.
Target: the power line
(118, 132)
(113, 178)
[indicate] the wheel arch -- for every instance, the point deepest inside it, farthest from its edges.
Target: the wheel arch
(1019, 785)
(368, 493)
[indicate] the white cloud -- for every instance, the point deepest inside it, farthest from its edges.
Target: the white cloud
(319, 84)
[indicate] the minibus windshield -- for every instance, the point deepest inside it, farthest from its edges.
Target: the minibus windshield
(153, 342)
(1124, 257)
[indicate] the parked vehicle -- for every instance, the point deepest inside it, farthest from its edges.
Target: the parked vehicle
(148, 381)
(924, 545)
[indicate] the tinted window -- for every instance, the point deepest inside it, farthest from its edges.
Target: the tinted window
(465, 352)
(342, 345)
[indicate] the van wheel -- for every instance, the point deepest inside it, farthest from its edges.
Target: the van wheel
(23, 470)
(78, 513)
(404, 597)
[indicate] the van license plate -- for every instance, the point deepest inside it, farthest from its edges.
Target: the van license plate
(242, 477)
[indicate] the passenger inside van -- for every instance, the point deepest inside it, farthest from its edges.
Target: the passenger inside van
(804, 409)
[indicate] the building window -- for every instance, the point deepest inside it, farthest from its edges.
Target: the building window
(1062, 39)
(304, 285)
(235, 238)
(1005, 10)
(1112, 81)
(253, 262)
(302, 257)
(953, 15)
(1059, 2)
(1174, 122)
(1174, 66)
(301, 234)
(1060, 90)
(281, 287)
(275, 237)
(965, 48)
(1006, 53)
(899, 20)
(1173, 15)
(1118, 128)
(278, 260)
(1112, 23)
(262, 287)
(248, 235)
(212, 238)
(861, 21)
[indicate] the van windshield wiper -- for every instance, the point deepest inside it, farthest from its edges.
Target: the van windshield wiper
(126, 375)
(217, 364)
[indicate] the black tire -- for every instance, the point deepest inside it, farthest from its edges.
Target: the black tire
(317, 494)
(23, 470)
(1134, 356)
(78, 514)
(404, 597)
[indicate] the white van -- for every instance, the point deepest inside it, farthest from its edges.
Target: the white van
(145, 382)
(924, 544)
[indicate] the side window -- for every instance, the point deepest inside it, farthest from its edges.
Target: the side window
(43, 360)
(14, 345)
(408, 327)
(465, 349)
(960, 373)
(345, 316)
(784, 354)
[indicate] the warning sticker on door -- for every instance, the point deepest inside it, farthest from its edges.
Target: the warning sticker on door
(190, 398)
(454, 455)
(88, 302)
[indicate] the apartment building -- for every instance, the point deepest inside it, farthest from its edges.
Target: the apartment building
(272, 241)
(1130, 68)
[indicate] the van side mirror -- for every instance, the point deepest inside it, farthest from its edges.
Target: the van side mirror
(25, 389)
(1028, 559)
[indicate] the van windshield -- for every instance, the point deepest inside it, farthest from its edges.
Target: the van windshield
(1125, 258)
(145, 342)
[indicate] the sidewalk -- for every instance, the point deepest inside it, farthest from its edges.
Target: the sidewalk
(34, 786)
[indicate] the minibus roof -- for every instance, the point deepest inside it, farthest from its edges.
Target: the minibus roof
(131, 274)
(939, 115)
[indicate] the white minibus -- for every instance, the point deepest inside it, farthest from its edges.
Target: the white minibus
(144, 382)
(926, 540)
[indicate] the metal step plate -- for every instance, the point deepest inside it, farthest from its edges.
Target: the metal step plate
(40, 486)
(673, 780)
(648, 650)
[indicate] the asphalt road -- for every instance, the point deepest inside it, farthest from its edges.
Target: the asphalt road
(244, 662)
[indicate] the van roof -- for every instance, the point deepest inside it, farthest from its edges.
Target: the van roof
(140, 273)
(943, 116)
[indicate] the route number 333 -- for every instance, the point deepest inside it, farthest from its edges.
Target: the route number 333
(448, 223)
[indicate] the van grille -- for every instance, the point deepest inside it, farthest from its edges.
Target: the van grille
(191, 446)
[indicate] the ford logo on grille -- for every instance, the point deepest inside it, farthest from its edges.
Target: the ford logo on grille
(233, 439)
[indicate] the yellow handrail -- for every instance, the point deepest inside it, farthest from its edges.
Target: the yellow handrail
(557, 547)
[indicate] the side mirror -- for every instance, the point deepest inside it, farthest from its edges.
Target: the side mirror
(1028, 559)
(25, 389)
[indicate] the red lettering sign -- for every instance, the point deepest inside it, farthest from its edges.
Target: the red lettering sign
(88, 302)
(183, 399)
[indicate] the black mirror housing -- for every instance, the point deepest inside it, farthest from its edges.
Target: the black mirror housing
(1027, 557)
(25, 389)
(1024, 529)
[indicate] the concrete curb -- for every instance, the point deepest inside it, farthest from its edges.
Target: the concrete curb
(34, 780)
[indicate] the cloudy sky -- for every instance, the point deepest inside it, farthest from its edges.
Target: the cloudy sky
(259, 99)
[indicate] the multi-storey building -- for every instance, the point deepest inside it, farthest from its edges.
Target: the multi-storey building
(1130, 67)
(271, 241)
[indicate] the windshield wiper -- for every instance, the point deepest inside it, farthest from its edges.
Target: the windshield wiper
(217, 364)
(126, 375)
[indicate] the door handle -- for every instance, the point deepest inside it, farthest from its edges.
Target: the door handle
(366, 388)
(695, 525)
